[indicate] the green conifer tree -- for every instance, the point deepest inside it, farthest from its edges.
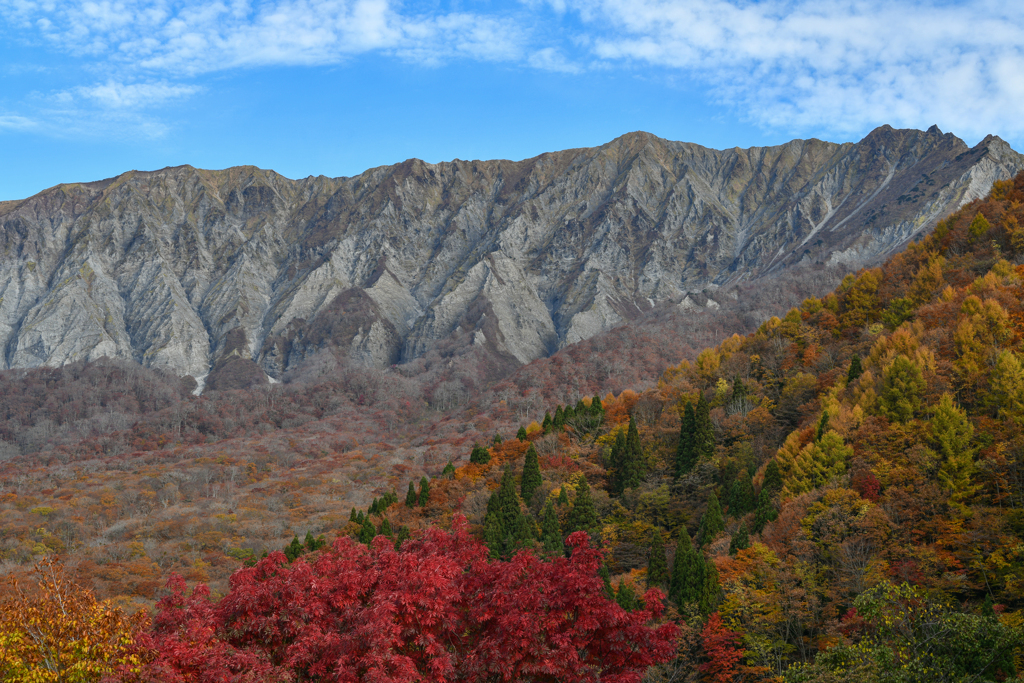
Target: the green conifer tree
(558, 421)
(449, 470)
(531, 480)
(772, 478)
(424, 491)
(606, 579)
(385, 528)
(686, 454)
(657, 568)
(497, 439)
(634, 460)
(312, 543)
(360, 517)
(352, 515)
(521, 434)
(411, 497)
(563, 497)
(704, 431)
(546, 424)
(293, 549)
(583, 516)
(367, 531)
(711, 522)
(741, 496)
(627, 598)
(402, 536)
(687, 572)
(822, 426)
(551, 530)
(740, 540)
(855, 370)
(479, 455)
(506, 528)
(766, 511)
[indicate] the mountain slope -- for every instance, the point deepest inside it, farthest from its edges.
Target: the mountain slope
(180, 268)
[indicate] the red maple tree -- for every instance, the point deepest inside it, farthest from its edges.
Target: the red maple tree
(436, 610)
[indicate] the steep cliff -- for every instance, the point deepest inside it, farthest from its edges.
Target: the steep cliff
(164, 267)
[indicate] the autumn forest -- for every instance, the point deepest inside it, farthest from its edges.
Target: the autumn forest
(833, 493)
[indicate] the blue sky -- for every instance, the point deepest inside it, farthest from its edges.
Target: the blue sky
(305, 87)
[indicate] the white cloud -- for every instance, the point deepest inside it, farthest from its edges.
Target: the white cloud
(13, 122)
(116, 95)
(552, 59)
(803, 66)
(838, 67)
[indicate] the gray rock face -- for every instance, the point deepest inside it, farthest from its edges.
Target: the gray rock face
(528, 256)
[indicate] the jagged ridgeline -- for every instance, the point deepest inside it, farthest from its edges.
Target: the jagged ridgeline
(242, 274)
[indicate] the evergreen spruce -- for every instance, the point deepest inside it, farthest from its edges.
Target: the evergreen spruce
(583, 516)
(740, 540)
(372, 510)
(596, 407)
(424, 491)
(521, 434)
(563, 496)
(657, 568)
(367, 531)
(741, 496)
(606, 579)
(479, 455)
(739, 389)
(497, 439)
(360, 517)
(547, 423)
(822, 426)
(313, 544)
(352, 515)
(766, 511)
(506, 528)
(686, 454)
(855, 370)
(449, 470)
(551, 530)
(531, 474)
(627, 460)
(772, 478)
(627, 598)
(385, 528)
(410, 497)
(704, 431)
(711, 522)
(687, 572)
(558, 421)
(402, 535)
(709, 588)
(293, 549)
(568, 414)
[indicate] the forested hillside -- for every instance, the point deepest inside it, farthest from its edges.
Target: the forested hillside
(838, 496)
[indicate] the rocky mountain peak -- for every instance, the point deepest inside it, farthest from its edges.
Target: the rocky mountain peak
(169, 267)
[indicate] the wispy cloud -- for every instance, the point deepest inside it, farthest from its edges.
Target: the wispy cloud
(831, 66)
(10, 122)
(116, 95)
(802, 66)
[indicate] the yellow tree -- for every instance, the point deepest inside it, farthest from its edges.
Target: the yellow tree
(57, 632)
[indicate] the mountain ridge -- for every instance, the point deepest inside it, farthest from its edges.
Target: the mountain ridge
(528, 256)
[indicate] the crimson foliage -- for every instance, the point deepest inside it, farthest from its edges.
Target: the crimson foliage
(436, 610)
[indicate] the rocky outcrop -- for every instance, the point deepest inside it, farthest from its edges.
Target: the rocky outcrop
(164, 267)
